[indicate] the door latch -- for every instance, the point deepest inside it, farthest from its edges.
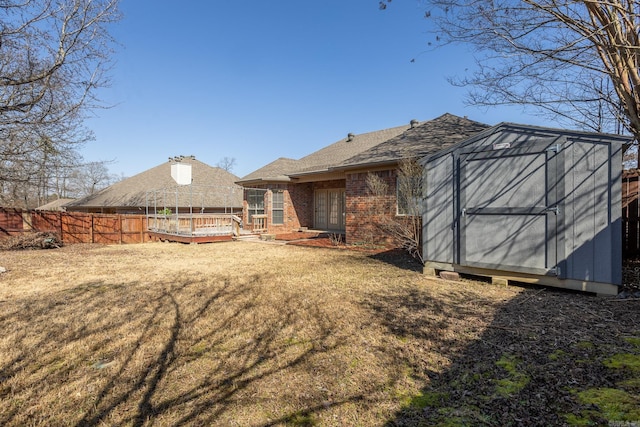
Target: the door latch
(554, 209)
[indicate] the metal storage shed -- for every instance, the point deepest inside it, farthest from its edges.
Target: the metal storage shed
(527, 204)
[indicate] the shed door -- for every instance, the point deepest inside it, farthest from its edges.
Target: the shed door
(509, 208)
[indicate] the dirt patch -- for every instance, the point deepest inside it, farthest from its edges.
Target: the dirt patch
(249, 334)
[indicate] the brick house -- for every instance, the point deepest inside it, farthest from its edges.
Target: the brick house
(327, 190)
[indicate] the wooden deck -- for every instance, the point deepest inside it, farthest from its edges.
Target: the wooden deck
(167, 237)
(193, 228)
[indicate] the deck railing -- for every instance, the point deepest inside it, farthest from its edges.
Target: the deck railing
(195, 224)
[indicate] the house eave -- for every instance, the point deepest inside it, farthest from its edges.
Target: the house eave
(258, 181)
(367, 165)
(311, 172)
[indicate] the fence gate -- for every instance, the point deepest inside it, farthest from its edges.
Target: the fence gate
(510, 213)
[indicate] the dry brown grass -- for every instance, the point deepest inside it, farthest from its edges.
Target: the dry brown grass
(236, 333)
(225, 334)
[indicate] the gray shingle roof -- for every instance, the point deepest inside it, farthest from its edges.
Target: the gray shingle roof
(274, 171)
(56, 205)
(383, 146)
(212, 182)
(337, 153)
(323, 159)
(426, 138)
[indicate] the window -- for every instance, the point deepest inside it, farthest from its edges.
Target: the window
(277, 207)
(255, 202)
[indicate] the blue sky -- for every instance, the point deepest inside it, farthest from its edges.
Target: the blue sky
(256, 80)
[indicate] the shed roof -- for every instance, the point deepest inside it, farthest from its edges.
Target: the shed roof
(538, 131)
(132, 192)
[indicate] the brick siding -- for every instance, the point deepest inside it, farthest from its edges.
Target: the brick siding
(298, 207)
(365, 211)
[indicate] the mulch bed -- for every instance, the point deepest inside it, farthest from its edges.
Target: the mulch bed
(631, 274)
(326, 240)
(298, 235)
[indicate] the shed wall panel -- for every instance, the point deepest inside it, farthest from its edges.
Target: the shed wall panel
(438, 231)
(602, 237)
(593, 214)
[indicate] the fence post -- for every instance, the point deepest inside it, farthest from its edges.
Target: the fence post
(61, 228)
(91, 229)
(27, 221)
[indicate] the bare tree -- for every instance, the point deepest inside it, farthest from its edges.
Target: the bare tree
(576, 61)
(401, 220)
(90, 178)
(54, 55)
(227, 163)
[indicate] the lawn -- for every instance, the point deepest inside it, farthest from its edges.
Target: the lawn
(257, 334)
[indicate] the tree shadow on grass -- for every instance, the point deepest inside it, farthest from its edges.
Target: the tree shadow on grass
(542, 358)
(181, 351)
(398, 258)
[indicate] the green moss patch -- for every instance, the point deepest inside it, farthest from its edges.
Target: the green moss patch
(624, 361)
(634, 341)
(515, 381)
(614, 404)
(427, 398)
(584, 345)
(557, 355)
(302, 419)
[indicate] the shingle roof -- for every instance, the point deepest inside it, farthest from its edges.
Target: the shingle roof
(212, 182)
(426, 138)
(323, 159)
(56, 205)
(383, 146)
(274, 171)
(337, 153)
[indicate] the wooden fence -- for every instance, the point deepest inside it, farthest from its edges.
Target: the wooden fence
(630, 215)
(76, 227)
